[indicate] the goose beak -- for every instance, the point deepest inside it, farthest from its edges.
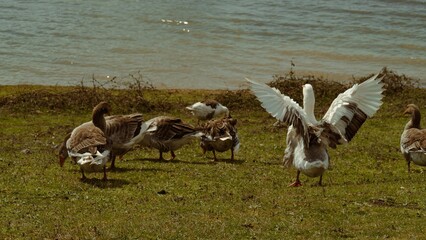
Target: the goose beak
(407, 111)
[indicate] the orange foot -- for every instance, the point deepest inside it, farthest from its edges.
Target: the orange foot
(297, 183)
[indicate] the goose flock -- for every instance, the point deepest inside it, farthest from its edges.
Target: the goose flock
(92, 144)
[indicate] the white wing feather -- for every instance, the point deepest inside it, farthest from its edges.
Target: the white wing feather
(365, 97)
(281, 106)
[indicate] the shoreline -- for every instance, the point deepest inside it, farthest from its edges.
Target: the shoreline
(233, 85)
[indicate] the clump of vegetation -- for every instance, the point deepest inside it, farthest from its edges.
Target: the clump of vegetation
(291, 83)
(394, 83)
(236, 99)
(135, 94)
(77, 98)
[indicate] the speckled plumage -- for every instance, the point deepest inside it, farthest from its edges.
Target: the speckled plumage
(220, 135)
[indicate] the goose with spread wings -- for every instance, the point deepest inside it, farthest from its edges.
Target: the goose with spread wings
(307, 139)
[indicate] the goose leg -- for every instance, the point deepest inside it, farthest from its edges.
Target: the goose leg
(173, 155)
(214, 155)
(296, 183)
(320, 181)
(408, 159)
(105, 176)
(408, 165)
(232, 154)
(83, 177)
(161, 156)
(112, 166)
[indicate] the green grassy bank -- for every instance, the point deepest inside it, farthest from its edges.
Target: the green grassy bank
(367, 194)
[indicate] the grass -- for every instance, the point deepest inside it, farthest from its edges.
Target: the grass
(367, 194)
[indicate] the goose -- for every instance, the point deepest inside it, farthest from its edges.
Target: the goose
(207, 109)
(307, 139)
(168, 134)
(88, 145)
(125, 131)
(220, 135)
(413, 138)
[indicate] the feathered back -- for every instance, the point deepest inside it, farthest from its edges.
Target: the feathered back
(122, 128)
(169, 128)
(85, 136)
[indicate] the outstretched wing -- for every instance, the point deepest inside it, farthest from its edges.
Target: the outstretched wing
(281, 107)
(351, 108)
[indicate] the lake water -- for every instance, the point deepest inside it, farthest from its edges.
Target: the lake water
(207, 44)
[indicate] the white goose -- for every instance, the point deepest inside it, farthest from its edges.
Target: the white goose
(307, 138)
(207, 109)
(413, 139)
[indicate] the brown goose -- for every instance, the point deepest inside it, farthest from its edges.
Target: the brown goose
(307, 138)
(168, 134)
(207, 109)
(88, 145)
(125, 131)
(220, 135)
(413, 138)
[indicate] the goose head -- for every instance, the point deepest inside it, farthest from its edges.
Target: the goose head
(102, 108)
(411, 108)
(414, 111)
(63, 154)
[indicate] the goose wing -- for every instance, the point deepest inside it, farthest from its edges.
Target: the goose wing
(282, 107)
(413, 140)
(122, 129)
(351, 108)
(169, 128)
(85, 136)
